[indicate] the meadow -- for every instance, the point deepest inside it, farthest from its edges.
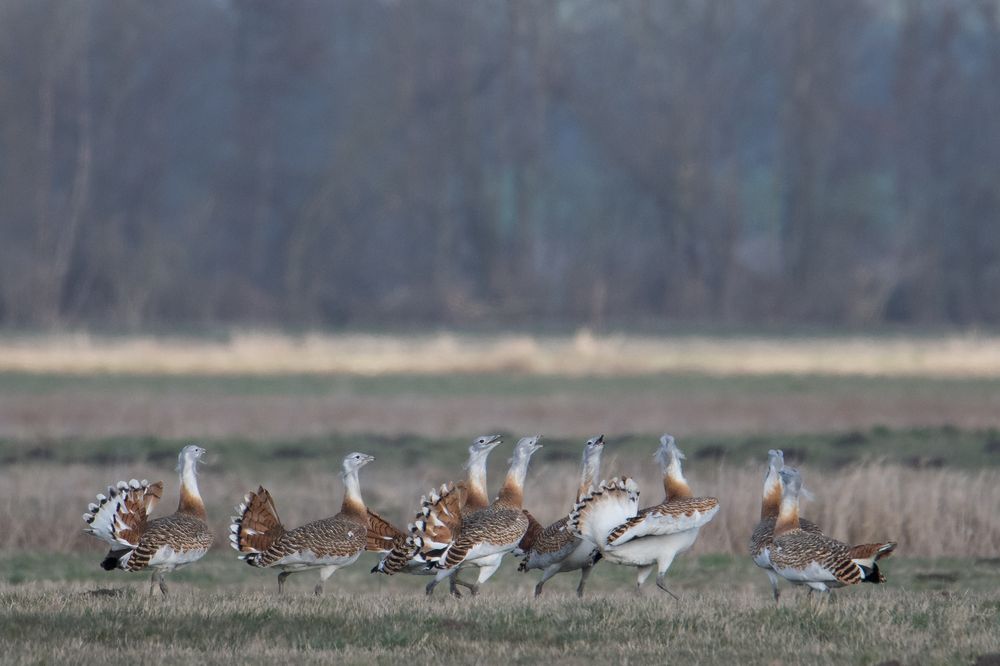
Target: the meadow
(892, 453)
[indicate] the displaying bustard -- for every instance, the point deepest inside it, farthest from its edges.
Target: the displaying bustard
(556, 549)
(438, 519)
(327, 544)
(763, 535)
(485, 536)
(814, 559)
(121, 518)
(650, 538)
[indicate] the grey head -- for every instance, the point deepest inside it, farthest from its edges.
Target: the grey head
(355, 461)
(791, 480)
(191, 455)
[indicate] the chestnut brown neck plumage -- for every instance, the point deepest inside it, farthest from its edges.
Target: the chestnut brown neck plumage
(190, 502)
(512, 493)
(476, 495)
(788, 514)
(675, 486)
(353, 505)
(771, 499)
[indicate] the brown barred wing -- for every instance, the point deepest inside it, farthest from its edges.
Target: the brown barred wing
(339, 536)
(816, 555)
(170, 541)
(495, 526)
(382, 536)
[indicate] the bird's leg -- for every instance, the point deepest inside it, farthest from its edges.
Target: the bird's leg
(458, 581)
(659, 584)
(281, 580)
(546, 574)
(152, 583)
(453, 587)
(773, 577)
(324, 573)
(641, 578)
(584, 575)
(438, 577)
(163, 584)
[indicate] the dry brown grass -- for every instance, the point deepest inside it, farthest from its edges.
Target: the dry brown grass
(581, 354)
(931, 512)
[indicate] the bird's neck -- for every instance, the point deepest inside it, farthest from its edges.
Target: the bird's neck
(190, 501)
(590, 473)
(675, 486)
(788, 515)
(512, 492)
(771, 499)
(477, 496)
(353, 504)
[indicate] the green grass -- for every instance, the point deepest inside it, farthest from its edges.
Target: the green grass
(919, 447)
(690, 575)
(221, 611)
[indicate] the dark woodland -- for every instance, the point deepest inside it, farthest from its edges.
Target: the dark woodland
(355, 163)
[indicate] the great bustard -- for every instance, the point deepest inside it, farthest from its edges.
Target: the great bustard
(763, 535)
(555, 549)
(439, 517)
(654, 536)
(327, 544)
(485, 536)
(814, 559)
(121, 518)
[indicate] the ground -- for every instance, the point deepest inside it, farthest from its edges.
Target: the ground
(221, 611)
(896, 454)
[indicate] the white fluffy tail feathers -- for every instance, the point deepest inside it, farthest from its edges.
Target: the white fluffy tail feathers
(434, 528)
(604, 509)
(119, 516)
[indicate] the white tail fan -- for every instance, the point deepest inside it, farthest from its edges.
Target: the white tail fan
(107, 517)
(604, 509)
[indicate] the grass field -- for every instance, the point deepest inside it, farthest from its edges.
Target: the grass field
(898, 439)
(941, 611)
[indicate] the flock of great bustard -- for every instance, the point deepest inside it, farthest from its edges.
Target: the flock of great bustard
(458, 530)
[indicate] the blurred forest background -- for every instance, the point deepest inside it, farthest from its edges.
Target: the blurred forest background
(499, 162)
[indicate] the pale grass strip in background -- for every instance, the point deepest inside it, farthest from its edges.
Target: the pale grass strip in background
(967, 355)
(931, 512)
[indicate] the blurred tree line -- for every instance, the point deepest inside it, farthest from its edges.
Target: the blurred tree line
(504, 162)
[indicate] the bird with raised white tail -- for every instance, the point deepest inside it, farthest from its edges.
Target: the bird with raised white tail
(555, 549)
(328, 544)
(814, 559)
(121, 518)
(485, 536)
(650, 538)
(438, 519)
(763, 535)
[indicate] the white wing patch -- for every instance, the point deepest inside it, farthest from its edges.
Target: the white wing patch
(662, 524)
